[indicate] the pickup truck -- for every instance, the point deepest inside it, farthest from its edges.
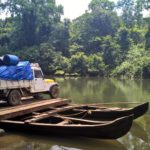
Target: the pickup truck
(12, 91)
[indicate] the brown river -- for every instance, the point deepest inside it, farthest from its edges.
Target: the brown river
(92, 90)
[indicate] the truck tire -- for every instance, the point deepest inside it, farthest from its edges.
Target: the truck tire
(54, 91)
(14, 98)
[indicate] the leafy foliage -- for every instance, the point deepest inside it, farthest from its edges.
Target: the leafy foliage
(137, 60)
(99, 42)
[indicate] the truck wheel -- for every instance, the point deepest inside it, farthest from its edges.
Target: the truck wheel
(54, 91)
(14, 98)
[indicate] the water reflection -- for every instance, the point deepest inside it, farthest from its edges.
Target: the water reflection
(56, 147)
(27, 142)
(139, 132)
(139, 136)
(88, 90)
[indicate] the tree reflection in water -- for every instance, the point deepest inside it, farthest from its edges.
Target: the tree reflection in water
(92, 90)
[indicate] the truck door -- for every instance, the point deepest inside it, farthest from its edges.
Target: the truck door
(38, 81)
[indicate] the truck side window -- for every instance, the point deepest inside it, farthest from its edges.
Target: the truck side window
(38, 74)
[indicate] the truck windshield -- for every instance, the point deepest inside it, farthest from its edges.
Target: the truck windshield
(38, 74)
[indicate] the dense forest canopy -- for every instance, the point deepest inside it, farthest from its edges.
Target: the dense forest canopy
(99, 42)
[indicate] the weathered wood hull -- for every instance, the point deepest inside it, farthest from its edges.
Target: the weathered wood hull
(108, 130)
(106, 113)
(140, 110)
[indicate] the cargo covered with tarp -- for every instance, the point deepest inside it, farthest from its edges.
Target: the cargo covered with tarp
(21, 71)
(9, 60)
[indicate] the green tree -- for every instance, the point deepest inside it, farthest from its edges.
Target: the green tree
(97, 5)
(79, 63)
(146, 4)
(136, 63)
(139, 6)
(124, 40)
(111, 52)
(96, 64)
(127, 8)
(137, 35)
(91, 26)
(6, 28)
(60, 37)
(147, 36)
(33, 20)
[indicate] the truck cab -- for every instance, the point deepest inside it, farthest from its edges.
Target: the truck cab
(42, 85)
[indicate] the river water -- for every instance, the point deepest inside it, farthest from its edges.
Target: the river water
(92, 90)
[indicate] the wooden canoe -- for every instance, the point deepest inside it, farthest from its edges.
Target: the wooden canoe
(67, 126)
(94, 121)
(105, 112)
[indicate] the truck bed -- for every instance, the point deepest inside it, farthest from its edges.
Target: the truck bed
(7, 84)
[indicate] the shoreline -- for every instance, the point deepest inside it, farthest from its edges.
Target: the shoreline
(98, 76)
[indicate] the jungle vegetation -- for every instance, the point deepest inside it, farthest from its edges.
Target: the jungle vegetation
(100, 42)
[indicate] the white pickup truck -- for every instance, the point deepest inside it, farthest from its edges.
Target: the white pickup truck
(13, 91)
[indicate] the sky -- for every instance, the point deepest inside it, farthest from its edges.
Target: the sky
(73, 8)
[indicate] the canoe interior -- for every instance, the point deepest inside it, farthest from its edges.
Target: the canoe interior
(106, 113)
(59, 120)
(97, 114)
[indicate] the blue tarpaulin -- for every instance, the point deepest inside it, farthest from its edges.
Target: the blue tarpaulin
(22, 71)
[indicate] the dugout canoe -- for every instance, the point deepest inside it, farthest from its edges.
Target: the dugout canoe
(67, 126)
(99, 112)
